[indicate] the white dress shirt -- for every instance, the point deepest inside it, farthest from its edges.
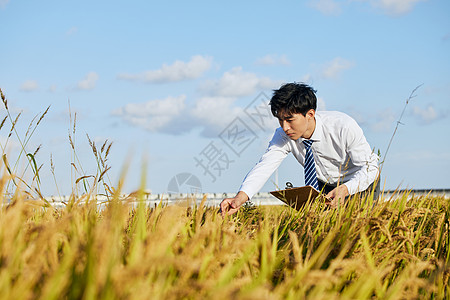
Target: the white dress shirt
(341, 155)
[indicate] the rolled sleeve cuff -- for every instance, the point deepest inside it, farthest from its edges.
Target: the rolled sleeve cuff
(248, 192)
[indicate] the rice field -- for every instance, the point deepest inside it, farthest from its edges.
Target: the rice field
(397, 248)
(391, 250)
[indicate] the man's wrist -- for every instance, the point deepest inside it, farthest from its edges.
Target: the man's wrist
(350, 187)
(346, 187)
(242, 197)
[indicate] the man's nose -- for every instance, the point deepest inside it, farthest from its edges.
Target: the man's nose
(285, 125)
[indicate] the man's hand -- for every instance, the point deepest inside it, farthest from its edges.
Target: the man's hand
(337, 196)
(231, 205)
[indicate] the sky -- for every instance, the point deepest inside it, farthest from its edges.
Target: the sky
(181, 88)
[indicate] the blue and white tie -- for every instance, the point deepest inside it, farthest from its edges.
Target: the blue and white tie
(310, 167)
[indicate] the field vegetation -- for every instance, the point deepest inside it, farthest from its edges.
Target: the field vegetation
(397, 248)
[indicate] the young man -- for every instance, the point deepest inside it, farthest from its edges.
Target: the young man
(330, 145)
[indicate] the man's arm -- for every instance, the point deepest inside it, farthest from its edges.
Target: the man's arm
(276, 152)
(361, 155)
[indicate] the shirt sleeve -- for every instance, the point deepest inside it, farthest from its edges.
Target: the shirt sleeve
(361, 156)
(276, 152)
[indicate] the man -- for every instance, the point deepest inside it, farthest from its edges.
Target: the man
(330, 145)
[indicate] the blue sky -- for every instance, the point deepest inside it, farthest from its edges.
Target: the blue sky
(170, 82)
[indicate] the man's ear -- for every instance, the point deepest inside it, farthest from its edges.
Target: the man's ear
(311, 113)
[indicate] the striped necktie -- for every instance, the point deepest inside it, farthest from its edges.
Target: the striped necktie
(310, 167)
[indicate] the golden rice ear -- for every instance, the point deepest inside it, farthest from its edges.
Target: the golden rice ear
(397, 248)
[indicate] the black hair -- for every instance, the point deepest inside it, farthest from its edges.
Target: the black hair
(293, 98)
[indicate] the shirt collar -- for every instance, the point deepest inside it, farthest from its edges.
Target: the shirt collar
(318, 131)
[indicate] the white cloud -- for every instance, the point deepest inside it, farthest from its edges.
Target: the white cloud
(216, 111)
(422, 155)
(236, 83)
(358, 116)
(333, 68)
(327, 7)
(384, 121)
(428, 115)
(211, 114)
(307, 78)
(52, 88)
(89, 81)
(215, 114)
(321, 104)
(29, 86)
(153, 115)
(3, 3)
(389, 7)
(171, 115)
(178, 71)
(396, 7)
(273, 59)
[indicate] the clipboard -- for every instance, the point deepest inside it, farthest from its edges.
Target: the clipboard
(296, 197)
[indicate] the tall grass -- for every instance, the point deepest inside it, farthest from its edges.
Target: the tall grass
(33, 184)
(393, 250)
(28, 180)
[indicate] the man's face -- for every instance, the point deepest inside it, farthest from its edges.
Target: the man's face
(298, 125)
